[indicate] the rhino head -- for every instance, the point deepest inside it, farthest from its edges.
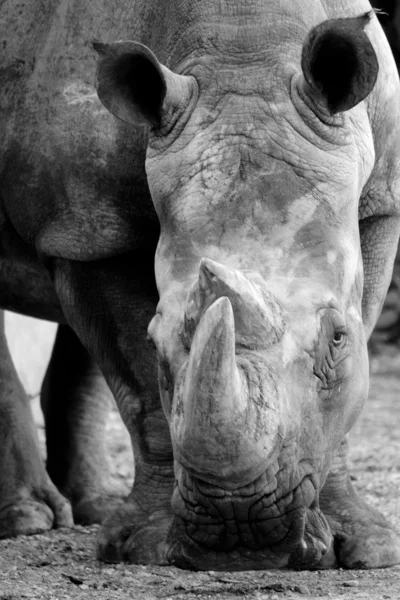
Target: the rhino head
(256, 162)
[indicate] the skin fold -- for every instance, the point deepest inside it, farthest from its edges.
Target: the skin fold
(259, 175)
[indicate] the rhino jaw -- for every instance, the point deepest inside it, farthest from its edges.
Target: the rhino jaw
(246, 529)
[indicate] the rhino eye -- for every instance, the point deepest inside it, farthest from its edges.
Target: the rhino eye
(338, 338)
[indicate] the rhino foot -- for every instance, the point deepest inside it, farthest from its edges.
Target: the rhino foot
(370, 546)
(363, 538)
(133, 535)
(29, 501)
(35, 512)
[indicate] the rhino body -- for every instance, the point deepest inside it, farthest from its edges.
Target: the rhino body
(255, 161)
(49, 108)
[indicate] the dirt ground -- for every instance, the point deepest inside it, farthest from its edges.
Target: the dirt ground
(61, 564)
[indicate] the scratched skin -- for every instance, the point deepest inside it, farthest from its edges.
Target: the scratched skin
(277, 210)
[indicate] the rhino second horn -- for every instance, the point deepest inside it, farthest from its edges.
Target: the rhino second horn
(258, 315)
(205, 425)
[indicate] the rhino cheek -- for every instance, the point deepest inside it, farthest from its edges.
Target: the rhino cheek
(353, 393)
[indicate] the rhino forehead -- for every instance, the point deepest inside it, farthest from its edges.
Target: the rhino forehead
(233, 31)
(259, 143)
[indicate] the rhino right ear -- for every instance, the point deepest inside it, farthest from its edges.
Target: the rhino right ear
(135, 87)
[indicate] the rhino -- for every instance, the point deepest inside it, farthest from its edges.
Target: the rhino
(243, 210)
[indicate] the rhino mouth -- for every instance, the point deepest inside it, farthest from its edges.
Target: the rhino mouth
(250, 528)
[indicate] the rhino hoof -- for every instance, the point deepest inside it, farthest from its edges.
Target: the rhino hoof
(373, 549)
(30, 516)
(133, 536)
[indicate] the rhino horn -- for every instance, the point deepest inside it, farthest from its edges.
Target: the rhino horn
(206, 421)
(258, 315)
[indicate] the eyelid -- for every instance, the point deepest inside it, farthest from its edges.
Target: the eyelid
(342, 329)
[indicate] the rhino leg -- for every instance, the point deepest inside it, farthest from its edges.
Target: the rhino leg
(136, 531)
(29, 501)
(363, 539)
(76, 403)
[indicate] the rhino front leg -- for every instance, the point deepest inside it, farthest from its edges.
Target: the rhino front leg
(29, 501)
(110, 304)
(363, 539)
(136, 532)
(76, 403)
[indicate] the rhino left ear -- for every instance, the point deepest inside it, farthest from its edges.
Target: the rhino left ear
(339, 62)
(135, 87)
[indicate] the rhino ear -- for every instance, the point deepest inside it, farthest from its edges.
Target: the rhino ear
(339, 62)
(134, 86)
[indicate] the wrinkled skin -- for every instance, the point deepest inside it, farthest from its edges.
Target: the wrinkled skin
(275, 188)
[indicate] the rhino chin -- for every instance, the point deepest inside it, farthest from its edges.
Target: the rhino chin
(249, 529)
